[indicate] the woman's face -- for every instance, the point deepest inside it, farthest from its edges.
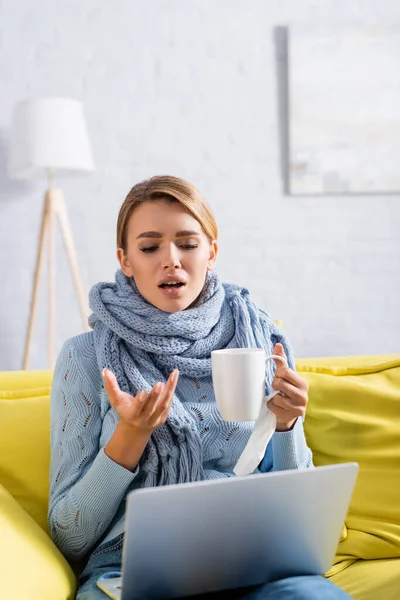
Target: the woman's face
(168, 255)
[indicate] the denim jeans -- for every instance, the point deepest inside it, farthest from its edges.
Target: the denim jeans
(105, 562)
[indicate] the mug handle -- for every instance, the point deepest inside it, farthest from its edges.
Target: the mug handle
(267, 358)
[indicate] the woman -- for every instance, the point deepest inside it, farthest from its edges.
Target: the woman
(132, 401)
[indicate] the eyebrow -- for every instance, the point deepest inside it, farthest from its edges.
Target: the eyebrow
(157, 234)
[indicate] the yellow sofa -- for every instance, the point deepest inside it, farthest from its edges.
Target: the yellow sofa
(353, 415)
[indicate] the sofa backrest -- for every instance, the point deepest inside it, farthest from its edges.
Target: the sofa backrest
(25, 439)
(354, 415)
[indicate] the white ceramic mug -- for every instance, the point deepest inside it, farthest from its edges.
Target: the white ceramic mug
(238, 376)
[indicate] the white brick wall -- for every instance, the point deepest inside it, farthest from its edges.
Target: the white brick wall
(191, 88)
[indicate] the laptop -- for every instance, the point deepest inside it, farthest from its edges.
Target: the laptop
(206, 536)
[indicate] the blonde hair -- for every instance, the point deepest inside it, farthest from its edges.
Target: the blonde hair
(171, 189)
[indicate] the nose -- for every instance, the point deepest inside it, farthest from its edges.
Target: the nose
(171, 259)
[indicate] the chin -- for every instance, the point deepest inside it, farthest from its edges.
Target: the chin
(171, 305)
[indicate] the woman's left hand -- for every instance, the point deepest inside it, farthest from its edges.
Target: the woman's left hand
(292, 400)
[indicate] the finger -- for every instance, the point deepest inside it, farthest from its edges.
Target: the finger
(292, 377)
(169, 391)
(152, 400)
(284, 415)
(111, 386)
(286, 404)
(281, 414)
(295, 395)
(138, 403)
(279, 351)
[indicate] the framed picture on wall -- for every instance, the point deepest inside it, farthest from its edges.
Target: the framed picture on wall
(344, 110)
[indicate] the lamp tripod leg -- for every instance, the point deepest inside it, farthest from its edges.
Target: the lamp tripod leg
(38, 268)
(51, 280)
(72, 257)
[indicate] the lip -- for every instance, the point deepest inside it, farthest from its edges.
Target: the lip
(172, 292)
(173, 278)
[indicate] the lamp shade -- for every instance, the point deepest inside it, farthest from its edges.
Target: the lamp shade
(49, 134)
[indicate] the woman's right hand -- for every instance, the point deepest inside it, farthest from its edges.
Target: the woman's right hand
(144, 412)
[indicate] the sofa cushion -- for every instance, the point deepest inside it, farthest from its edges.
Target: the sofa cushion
(33, 567)
(354, 415)
(371, 579)
(25, 439)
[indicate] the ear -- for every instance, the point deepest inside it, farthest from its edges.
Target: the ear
(124, 262)
(213, 255)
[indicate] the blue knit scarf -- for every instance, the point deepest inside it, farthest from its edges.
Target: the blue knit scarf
(141, 345)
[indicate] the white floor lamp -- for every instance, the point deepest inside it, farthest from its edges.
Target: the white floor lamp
(49, 137)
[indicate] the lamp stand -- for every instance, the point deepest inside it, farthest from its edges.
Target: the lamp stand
(54, 208)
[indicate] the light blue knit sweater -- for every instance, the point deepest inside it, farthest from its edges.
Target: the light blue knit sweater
(88, 489)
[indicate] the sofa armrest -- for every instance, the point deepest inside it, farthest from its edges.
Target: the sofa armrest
(36, 569)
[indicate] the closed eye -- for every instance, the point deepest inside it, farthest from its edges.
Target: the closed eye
(149, 249)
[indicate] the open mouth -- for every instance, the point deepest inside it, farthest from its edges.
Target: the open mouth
(172, 288)
(171, 284)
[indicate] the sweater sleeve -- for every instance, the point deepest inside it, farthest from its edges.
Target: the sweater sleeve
(287, 450)
(86, 487)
